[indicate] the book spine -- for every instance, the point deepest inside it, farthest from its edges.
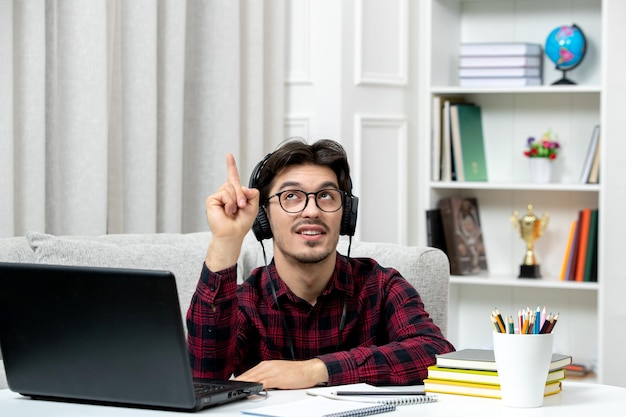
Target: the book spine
(436, 139)
(582, 248)
(566, 257)
(447, 221)
(592, 247)
(455, 133)
(590, 155)
(435, 237)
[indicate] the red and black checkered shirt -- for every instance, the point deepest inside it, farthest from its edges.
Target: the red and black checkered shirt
(388, 339)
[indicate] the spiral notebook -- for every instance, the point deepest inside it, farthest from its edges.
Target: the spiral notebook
(383, 395)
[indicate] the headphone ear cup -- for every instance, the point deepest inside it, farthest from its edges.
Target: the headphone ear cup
(261, 226)
(348, 219)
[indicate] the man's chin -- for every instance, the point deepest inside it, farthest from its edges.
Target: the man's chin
(312, 254)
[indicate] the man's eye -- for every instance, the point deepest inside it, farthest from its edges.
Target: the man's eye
(292, 196)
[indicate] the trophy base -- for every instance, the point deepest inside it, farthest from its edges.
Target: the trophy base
(529, 271)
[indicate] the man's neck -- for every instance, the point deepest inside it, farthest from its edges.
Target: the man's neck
(306, 280)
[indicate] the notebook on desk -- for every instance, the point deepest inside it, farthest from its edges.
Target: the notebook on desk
(100, 335)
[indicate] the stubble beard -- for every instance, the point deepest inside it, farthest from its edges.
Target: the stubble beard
(311, 257)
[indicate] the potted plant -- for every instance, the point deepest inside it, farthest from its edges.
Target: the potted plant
(540, 154)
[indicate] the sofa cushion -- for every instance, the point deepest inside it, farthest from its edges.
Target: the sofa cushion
(182, 254)
(16, 249)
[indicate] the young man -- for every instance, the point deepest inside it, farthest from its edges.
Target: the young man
(312, 316)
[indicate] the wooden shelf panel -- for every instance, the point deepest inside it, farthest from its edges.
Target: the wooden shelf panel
(519, 282)
(543, 89)
(499, 186)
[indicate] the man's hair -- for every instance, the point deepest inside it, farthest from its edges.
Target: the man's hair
(296, 151)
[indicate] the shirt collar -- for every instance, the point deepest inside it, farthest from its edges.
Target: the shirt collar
(340, 281)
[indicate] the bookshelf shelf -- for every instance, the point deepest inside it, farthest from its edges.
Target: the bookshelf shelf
(571, 89)
(498, 186)
(523, 283)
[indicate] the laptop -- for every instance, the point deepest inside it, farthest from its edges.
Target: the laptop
(101, 335)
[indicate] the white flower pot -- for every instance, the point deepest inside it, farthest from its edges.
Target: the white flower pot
(540, 169)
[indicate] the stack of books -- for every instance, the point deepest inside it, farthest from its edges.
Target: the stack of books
(458, 143)
(580, 262)
(502, 64)
(473, 372)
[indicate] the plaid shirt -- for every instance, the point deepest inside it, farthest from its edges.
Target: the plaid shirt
(388, 338)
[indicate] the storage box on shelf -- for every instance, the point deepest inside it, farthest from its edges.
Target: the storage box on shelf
(509, 116)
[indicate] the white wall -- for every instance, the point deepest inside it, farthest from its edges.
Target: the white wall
(349, 79)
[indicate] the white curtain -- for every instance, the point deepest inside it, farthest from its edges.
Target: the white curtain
(116, 115)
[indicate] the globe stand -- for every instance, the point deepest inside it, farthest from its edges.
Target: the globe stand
(564, 80)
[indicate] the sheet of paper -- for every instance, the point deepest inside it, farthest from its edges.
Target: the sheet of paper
(315, 406)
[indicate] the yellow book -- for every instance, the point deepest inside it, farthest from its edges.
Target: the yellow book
(442, 386)
(480, 376)
(572, 231)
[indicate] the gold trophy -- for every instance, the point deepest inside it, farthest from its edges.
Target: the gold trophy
(530, 228)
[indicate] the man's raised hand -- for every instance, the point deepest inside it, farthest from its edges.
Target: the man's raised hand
(230, 212)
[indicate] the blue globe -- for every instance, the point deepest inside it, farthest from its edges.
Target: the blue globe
(565, 46)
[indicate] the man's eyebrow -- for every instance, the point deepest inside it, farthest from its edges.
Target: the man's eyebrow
(292, 184)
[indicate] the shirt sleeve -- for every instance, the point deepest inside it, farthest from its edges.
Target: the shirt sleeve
(212, 324)
(412, 341)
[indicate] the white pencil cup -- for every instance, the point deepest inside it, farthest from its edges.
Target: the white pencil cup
(523, 361)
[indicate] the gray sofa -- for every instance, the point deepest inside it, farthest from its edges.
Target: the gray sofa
(426, 268)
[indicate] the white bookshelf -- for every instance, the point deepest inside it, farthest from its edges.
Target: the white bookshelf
(510, 115)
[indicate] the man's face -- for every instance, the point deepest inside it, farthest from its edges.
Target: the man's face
(311, 235)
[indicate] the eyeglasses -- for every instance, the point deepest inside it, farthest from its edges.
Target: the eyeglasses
(295, 201)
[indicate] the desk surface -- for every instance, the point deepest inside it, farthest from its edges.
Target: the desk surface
(576, 399)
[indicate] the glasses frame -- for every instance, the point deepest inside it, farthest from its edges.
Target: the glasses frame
(306, 201)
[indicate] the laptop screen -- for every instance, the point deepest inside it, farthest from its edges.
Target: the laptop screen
(94, 334)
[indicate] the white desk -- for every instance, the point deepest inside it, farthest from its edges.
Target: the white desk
(577, 399)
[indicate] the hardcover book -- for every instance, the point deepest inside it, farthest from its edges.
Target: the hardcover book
(464, 239)
(500, 81)
(477, 390)
(585, 219)
(591, 261)
(446, 169)
(479, 376)
(500, 49)
(513, 61)
(592, 150)
(467, 142)
(484, 359)
(435, 236)
(499, 72)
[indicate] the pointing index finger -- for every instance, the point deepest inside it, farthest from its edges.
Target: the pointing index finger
(233, 174)
(233, 179)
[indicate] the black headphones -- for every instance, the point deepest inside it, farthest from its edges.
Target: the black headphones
(261, 226)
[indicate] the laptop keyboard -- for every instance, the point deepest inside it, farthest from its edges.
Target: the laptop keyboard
(202, 388)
